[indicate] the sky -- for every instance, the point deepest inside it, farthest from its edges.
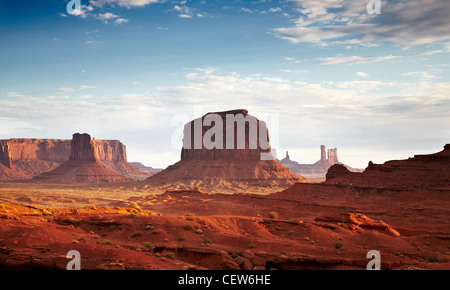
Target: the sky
(375, 86)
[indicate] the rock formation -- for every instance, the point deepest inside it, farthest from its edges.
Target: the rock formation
(84, 165)
(337, 170)
(318, 170)
(142, 167)
(27, 158)
(220, 167)
(82, 149)
(420, 171)
(231, 147)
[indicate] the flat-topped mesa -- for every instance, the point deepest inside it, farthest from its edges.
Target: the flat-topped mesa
(110, 150)
(229, 135)
(83, 148)
(26, 158)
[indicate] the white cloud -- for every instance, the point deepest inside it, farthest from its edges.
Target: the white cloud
(186, 16)
(15, 95)
(247, 10)
(123, 3)
(121, 20)
(106, 16)
(422, 75)
(72, 89)
(355, 59)
(402, 22)
(362, 74)
(277, 9)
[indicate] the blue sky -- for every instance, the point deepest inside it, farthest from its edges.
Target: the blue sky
(326, 72)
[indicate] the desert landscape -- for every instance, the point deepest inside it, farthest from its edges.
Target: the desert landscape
(255, 138)
(216, 210)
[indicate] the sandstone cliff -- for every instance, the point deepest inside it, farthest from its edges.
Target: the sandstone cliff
(84, 165)
(223, 170)
(26, 158)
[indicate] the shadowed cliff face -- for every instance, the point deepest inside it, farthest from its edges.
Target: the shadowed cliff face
(5, 155)
(82, 148)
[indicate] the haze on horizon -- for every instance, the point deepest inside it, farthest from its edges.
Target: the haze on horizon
(374, 86)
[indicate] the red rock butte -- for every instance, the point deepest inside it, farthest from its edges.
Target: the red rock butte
(223, 169)
(28, 158)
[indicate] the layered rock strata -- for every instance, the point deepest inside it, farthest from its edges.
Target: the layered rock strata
(27, 158)
(83, 166)
(242, 165)
(418, 172)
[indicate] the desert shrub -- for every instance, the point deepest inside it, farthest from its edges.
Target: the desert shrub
(76, 223)
(170, 255)
(343, 225)
(105, 243)
(188, 227)
(234, 255)
(207, 241)
(149, 246)
(112, 228)
(136, 234)
(251, 246)
(182, 238)
(273, 215)
(434, 258)
(190, 216)
(338, 245)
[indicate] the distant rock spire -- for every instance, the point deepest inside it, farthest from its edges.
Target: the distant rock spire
(323, 152)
